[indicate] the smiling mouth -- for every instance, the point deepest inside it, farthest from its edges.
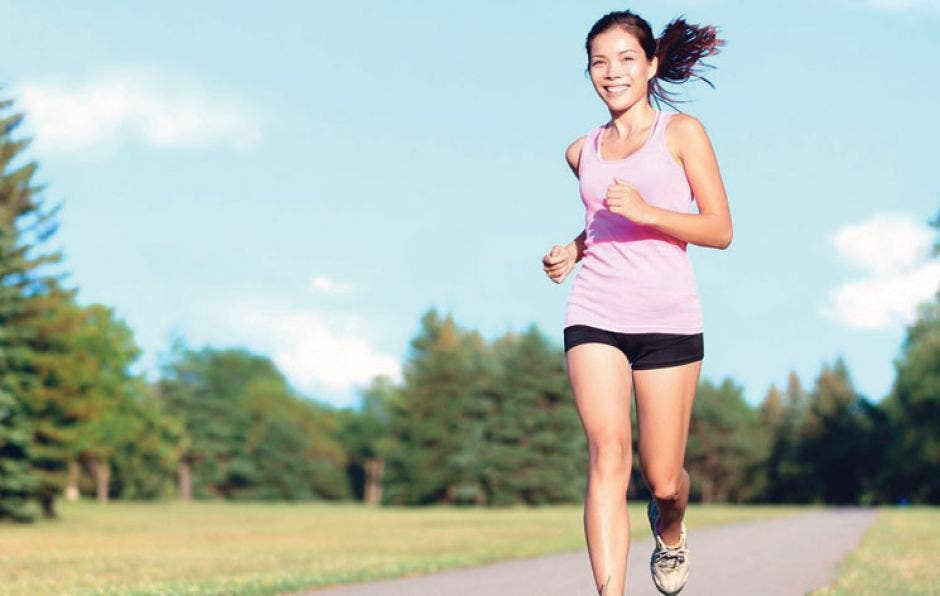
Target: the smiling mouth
(616, 90)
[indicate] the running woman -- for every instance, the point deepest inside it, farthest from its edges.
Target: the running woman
(633, 317)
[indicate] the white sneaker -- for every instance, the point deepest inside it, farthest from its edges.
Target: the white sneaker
(668, 565)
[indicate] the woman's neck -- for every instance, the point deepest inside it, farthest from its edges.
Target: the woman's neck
(637, 117)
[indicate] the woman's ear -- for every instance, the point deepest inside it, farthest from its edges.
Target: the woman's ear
(653, 69)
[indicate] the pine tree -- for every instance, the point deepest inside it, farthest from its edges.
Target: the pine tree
(536, 452)
(439, 423)
(773, 419)
(913, 407)
(56, 401)
(25, 225)
(17, 483)
(787, 471)
(724, 448)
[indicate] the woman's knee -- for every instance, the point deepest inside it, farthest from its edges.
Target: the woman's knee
(610, 456)
(666, 487)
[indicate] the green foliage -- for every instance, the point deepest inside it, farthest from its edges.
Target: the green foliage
(145, 467)
(726, 446)
(17, 484)
(914, 410)
(834, 438)
(484, 424)
(536, 452)
(437, 449)
(25, 226)
(366, 433)
(247, 436)
(87, 406)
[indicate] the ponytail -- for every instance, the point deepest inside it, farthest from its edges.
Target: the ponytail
(681, 48)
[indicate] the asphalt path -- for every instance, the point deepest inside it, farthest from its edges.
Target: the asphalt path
(790, 555)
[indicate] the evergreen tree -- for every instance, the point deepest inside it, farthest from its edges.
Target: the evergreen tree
(772, 412)
(913, 407)
(59, 401)
(833, 436)
(25, 225)
(773, 420)
(787, 471)
(438, 425)
(536, 449)
(17, 483)
(724, 450)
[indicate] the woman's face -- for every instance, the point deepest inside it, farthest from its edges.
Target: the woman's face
(619, 68)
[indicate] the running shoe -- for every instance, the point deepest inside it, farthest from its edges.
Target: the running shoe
(668, 565)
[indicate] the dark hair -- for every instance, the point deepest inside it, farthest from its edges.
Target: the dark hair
(680, 49)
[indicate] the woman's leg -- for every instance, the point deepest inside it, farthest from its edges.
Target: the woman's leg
(600, 378)
(664, 398)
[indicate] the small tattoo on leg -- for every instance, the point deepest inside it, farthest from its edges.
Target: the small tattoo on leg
(603, 589)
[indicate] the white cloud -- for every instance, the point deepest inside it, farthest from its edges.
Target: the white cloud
(884, 243)
(894, 252)
(103, 113)
(314, 352)
(327, 355)
(324, 285)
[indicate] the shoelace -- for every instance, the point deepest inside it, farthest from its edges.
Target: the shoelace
(669, 558)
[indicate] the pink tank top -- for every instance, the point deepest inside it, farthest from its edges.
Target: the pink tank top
(633, 278)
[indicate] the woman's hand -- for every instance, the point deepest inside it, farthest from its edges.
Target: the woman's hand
(624, 200)
(558, 263)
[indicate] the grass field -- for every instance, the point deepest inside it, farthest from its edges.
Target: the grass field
(264, 548)
(899, 554)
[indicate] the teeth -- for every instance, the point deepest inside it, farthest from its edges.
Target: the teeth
(619, 89)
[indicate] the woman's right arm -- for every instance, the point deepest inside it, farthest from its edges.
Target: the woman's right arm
(573, 154)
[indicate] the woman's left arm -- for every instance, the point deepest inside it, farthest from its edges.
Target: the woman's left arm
(711, 226)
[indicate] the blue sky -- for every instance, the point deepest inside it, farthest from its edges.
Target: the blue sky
(306, 179)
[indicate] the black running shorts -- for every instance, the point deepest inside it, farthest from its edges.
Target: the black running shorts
(643, 350)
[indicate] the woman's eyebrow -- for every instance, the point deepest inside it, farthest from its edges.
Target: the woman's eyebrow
(620, 52)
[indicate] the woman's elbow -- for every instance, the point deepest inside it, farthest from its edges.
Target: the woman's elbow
(725, 240)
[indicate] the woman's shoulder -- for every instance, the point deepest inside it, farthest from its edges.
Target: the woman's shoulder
(683, 131)
(573, 153)
(681, 125)
(574, 148)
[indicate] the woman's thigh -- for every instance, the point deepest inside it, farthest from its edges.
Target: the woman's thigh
(664, 398)
(600, 379)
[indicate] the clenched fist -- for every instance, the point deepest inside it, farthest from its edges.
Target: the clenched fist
(558, 263)
(624, 200)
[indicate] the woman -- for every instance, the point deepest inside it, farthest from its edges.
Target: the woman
(633, 316)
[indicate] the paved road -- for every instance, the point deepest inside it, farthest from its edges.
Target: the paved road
(791, 555)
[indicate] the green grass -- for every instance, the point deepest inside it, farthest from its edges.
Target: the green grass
(899, 554)
(265, 548)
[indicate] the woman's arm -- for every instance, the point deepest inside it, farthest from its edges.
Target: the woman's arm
(576, 247)
(711, 226)
(573, 154)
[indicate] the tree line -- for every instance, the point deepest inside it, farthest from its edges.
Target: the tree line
(473, 422)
